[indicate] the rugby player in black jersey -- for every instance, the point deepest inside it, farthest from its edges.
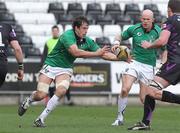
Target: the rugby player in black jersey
(8, 37)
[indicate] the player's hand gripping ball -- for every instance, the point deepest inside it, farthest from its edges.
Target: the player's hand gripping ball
(122, 53)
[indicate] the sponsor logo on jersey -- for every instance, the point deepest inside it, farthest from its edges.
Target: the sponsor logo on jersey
(139, 33)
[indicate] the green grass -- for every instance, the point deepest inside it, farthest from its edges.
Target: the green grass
(84, 119)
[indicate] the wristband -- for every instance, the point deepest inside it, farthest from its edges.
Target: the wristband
(20, 66)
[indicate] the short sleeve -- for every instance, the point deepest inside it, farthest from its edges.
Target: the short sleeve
(67, 40)
(12, 34)
(127, 33)
(93, 46)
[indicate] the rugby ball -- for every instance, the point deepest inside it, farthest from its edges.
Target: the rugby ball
(122, 53)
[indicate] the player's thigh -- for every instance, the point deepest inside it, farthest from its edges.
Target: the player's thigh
(44, 79)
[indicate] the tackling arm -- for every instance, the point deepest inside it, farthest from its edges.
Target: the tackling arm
(161, 41)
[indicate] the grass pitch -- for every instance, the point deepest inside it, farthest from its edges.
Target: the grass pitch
(87, 119)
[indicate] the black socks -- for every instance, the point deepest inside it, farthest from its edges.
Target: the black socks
(170, 97)
(149, 106)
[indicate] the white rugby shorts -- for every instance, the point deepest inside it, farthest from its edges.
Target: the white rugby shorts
(52, 72)
(141, 71)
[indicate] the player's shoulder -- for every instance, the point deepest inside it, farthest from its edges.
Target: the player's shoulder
(157, 27)
(69, 34)
(135, 26)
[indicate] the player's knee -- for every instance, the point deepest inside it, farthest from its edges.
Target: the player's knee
(124, 92)
(60, 92)
(39, 95)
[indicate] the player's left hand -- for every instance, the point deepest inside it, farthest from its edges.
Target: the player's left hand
(146, 44)
(20, 74)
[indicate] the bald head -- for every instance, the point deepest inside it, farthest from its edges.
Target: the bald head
(147, 13)
(147, 19)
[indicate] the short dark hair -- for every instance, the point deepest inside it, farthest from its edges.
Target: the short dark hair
(174, 5)
(79, 21)
(55, 27)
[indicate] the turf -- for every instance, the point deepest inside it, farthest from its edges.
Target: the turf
(87, 119)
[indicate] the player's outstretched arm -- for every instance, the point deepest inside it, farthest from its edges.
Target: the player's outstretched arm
(110, 56)
(76, 52)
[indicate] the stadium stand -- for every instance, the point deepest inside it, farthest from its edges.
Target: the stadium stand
(159, 19)
(65, 19)
(132, 10)
(103, 20)
(27, 7)
(95, 31)
(39, 41)
(110, 31)
(102, 41)
(3, 7)
(56, 8)
(25, 41)
(6, 17)
(75, 9)
(27, 15)
(67, 27)
(42, 29)
(32, 52)
(94, 10)
(123, 20)
(113, 9)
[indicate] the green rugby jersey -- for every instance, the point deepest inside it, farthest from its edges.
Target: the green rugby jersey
(138, 34)
(60, 57)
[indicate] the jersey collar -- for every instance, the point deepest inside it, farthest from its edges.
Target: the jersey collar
(79, 40)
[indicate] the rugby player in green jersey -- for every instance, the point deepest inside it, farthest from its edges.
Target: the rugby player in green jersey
(58, 66)
(141, 69)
